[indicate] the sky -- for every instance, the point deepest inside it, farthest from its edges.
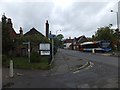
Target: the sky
(72, 18)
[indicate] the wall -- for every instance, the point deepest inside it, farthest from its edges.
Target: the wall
(67, 45)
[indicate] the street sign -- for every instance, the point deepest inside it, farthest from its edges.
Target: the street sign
(45, 52)
(52, 36)
(44, 46)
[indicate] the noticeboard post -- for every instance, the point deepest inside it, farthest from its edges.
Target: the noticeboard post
(28, 43)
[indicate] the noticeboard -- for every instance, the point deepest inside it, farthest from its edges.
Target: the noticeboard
(45, 52)
(44, 48)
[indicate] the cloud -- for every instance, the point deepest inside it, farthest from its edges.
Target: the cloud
(73, 18)
(28, 14)
(85, 18)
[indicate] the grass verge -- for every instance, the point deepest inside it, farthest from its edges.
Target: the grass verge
(22, 63)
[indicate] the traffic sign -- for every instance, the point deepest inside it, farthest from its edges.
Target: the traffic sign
(52, 36)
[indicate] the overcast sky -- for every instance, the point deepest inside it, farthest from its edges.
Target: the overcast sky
(73, 17)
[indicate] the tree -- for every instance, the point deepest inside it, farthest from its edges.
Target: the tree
(7, 43)
(117, 39)
(105, 33)
(60, 37)
(59, 40)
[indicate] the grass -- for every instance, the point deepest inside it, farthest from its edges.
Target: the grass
(22, 63)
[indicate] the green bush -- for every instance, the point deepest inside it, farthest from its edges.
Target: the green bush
(35, 57)
(4, 59)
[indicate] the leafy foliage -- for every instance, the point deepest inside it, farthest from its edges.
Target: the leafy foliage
(35, 57)
(106, 33)
(60, 37)
(58, 40)
(4, 59)
(7, 43)
(34, 40)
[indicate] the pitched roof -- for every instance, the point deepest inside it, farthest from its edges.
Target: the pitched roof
(68, 41)
(33, 31)
(82, 39)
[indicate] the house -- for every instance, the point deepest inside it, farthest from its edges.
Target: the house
(82, 39)
(77, 41)
(36, 38)
(33, 31)
(33, 36)
(67, 43)
(73, 44)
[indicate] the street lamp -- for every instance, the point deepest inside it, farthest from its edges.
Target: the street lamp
(117, 19)
(57, 31)
(117, 30)
(56, 36)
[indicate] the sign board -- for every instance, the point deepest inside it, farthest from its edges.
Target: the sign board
(52, 36)
(45, 52)
(44, 48)
(26, 42)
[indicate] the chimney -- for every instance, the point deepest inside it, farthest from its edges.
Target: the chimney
(47, 28)
(9, 22)
(21, 31)
(69, 37)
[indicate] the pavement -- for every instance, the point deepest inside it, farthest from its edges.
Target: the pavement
(62, 64)
(114, 54)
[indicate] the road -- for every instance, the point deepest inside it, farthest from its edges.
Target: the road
(109, 60)
(102, 73)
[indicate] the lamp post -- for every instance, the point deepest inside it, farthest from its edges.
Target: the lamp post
(117, 30)
(56, 36)
(117, 19)
(57, 31)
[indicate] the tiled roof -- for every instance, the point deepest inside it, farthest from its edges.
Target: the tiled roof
(32, 32)
(82, 38)
(68, 41)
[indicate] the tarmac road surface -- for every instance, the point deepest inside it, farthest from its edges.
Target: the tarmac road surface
(103, 73)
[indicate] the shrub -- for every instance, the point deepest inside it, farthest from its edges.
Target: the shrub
(4, 59)
(35, 57)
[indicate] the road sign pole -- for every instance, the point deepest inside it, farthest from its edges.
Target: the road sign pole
(52, 49)
(29, 51)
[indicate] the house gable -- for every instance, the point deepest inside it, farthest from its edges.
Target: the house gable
(33, 31)
(82, 39)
